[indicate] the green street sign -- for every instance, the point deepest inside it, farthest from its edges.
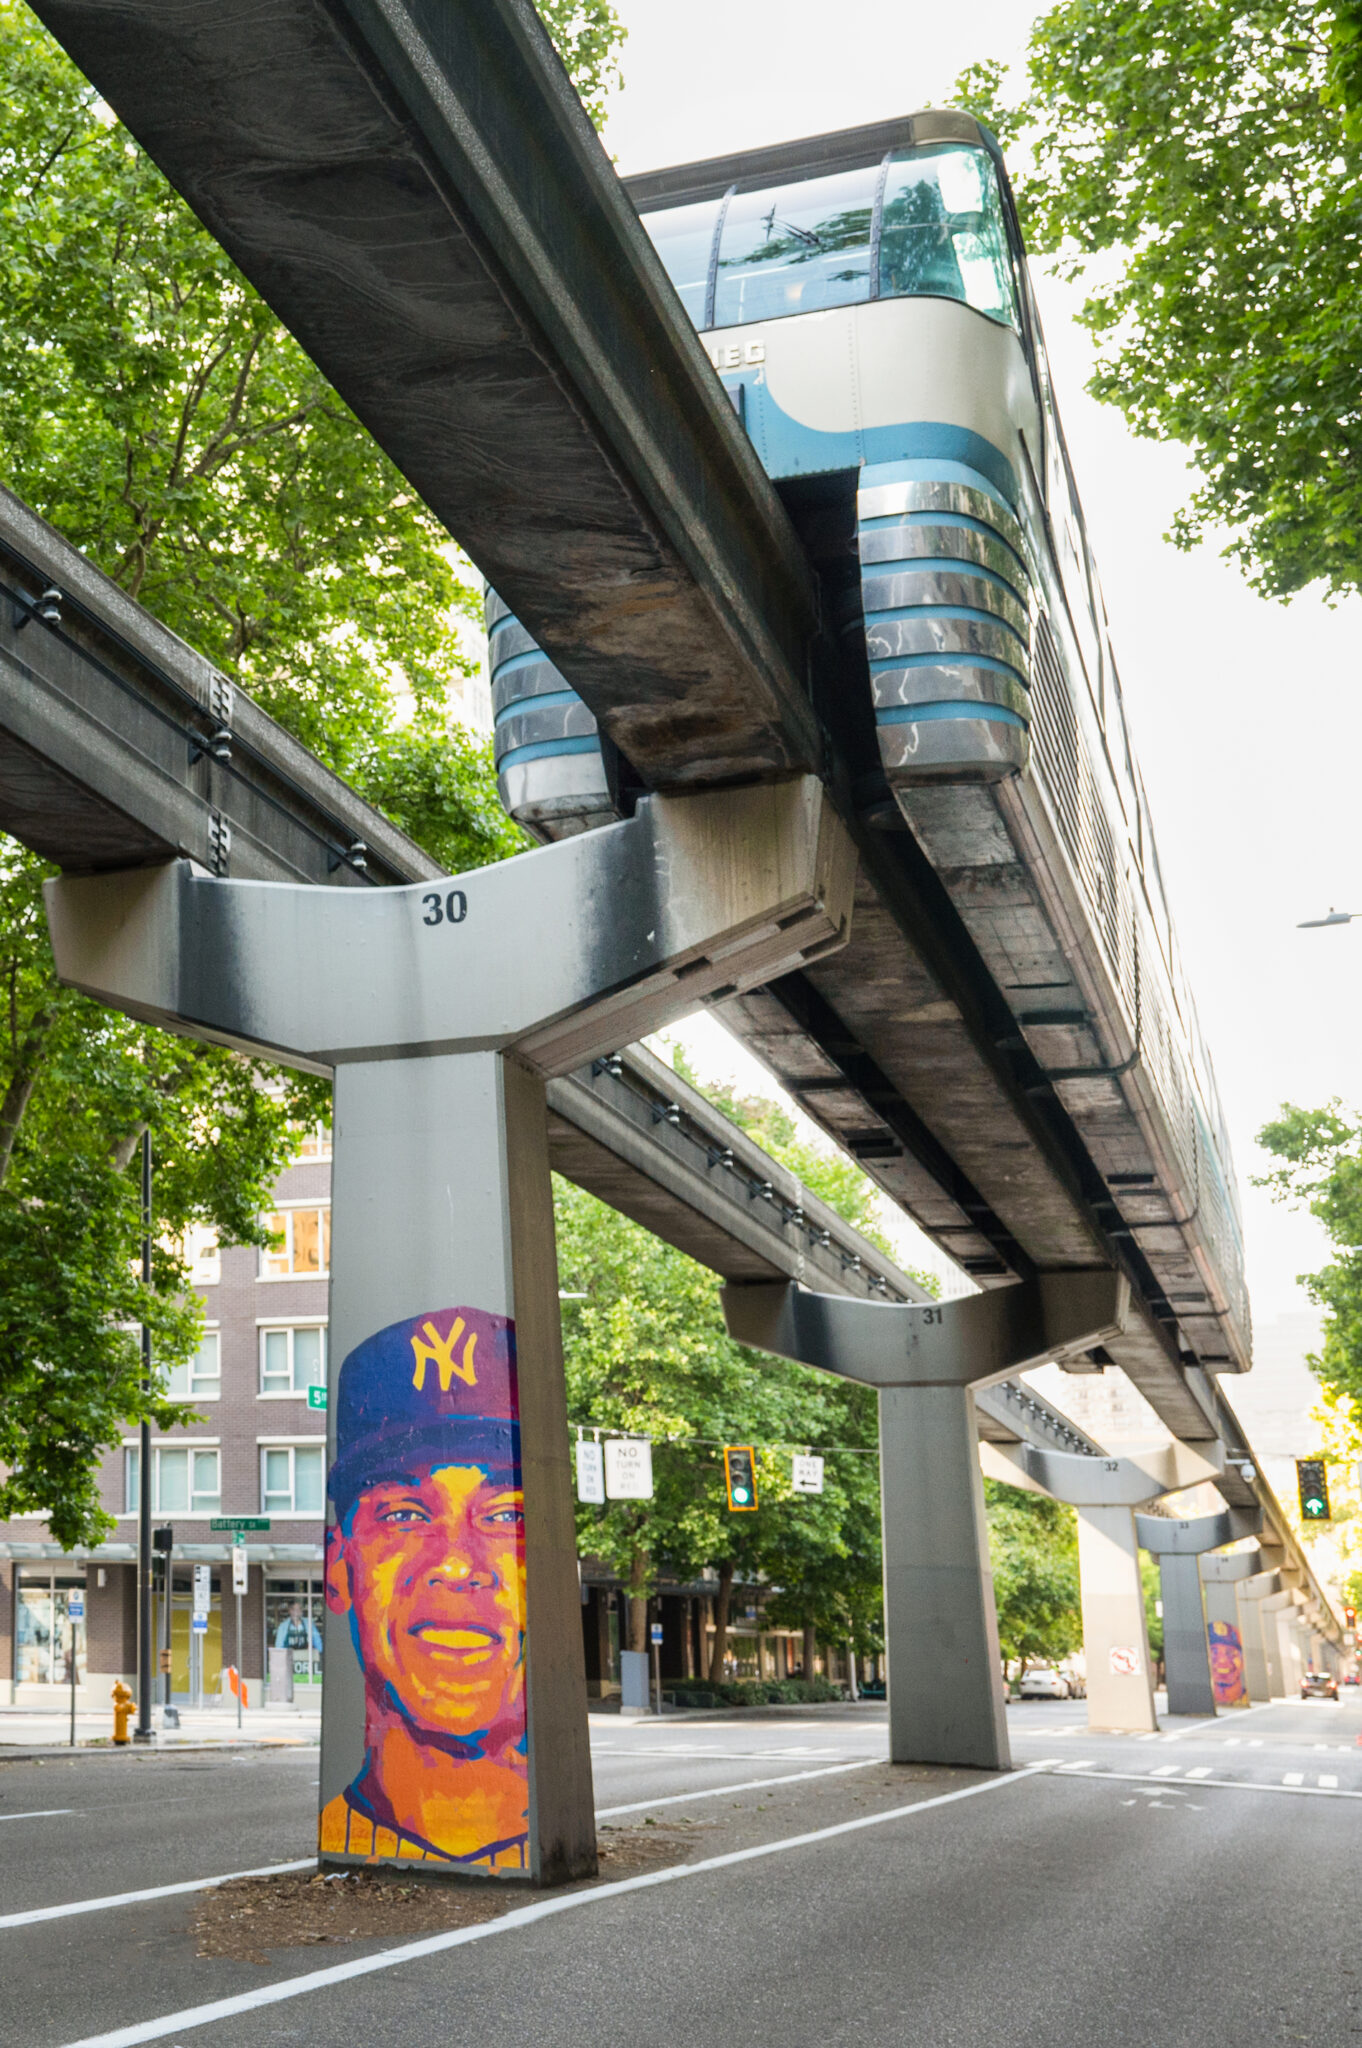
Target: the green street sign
(240, 1522)
(316, 1397)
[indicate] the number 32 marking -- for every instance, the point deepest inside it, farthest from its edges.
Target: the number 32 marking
(451, 909)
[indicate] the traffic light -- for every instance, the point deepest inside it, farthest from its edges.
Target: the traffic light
(1314, 1490)
(740, 1475)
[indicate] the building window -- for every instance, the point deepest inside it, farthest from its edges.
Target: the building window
(198, 1378)
(45, 1638)
(315, 1143)
(201, 1253)
(304, 1251)
(293, 1359)
(293, 1621)
(292, 1479)
(186, 1480)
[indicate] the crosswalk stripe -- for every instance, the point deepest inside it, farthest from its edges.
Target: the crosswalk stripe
(1201, 1771)
(1166, 1771)
(1293, 1778)
(1328, 1782)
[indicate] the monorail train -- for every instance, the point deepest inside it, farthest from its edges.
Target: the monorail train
(865, 300)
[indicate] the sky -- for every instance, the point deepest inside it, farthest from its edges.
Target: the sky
(1244, 712)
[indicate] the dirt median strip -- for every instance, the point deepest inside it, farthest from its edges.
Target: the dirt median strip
(248, 1917)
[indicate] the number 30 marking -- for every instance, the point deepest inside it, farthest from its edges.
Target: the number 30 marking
(452, 908)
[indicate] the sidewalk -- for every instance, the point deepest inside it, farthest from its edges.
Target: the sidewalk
(28, 1730)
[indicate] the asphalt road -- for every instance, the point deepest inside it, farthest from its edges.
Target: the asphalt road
(1148, 1892)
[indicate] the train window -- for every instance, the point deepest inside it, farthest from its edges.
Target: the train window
(683, 237)
(796, 250)
(942, 233)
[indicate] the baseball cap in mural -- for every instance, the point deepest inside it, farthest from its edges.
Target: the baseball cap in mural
(442, 1383)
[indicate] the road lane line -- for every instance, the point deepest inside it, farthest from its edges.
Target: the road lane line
(160, 1891)
(1166, 1771)
(1294, 1778)
(750, 1785)
(522, 1916)
(1204, 1771)
(1204, 1785)
(1329, 1783)
(40, 1813)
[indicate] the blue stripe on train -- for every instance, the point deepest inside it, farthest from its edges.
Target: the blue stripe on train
(929, 714)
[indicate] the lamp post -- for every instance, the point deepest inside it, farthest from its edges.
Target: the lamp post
(1317, 924)
(143, 1731)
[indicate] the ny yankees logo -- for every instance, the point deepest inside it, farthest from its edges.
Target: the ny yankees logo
(429, 1344)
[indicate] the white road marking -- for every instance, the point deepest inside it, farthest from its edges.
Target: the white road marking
(40, 1813)
(160, 1891)
(523, 1916)
(1148, 1738)
(1328, 1783)
(1215, 1785)
(1255, 1744)
(1201, 1771)
(1294, 1778)
(1166, 1771)
(748, 1785)
(1232, 1742)
(1085, 1765)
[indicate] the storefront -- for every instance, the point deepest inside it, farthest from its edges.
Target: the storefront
(45, 1638)
(294, 1607)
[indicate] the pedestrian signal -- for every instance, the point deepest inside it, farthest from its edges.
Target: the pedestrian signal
(1314, 1490)
(740, 1475)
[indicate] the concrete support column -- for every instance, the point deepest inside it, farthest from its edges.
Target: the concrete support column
(1250, 1594)
(1276, 1613)
(455, 1706)
(945, 1669)
(1221, 1581)
(1104, 1491)
(946, 1701)
(1179, 1545)
(1115, 1639)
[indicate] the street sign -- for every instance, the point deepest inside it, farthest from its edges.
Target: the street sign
(590, 1472)
(316, 1397)
(807, 1475)
(239, 1522)
(75, 1607)
(655, 1633)
(203, 1588)
(239, 1569)
(199, 1624)
(740, 1476)
(629, 1468)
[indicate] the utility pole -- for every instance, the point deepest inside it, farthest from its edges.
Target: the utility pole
(143, 1731)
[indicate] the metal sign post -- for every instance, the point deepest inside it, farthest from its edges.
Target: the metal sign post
(655, 1638)
(239, 1572)
(75, 1611)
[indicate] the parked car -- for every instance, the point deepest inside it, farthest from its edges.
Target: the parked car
(1319, 1685)
(1045, 1683)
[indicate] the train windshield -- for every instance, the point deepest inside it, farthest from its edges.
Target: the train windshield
(924, 223)
(942, 232)
(683, 237)
(795, 250)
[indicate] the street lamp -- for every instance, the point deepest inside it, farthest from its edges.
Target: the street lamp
(1316, 924)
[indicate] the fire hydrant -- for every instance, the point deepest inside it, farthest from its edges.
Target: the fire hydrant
(123, 1706)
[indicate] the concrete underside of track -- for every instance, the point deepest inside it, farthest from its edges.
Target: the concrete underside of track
(419, 195)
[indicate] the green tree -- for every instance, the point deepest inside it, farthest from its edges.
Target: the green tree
(159, 415)
(1199, 162)
(1033, 1544)
(647, 1354)
(1321, 1170)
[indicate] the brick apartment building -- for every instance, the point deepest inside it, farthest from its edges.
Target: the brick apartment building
(260, 1450)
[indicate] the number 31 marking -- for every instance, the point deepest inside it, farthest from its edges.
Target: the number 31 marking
(452, 909)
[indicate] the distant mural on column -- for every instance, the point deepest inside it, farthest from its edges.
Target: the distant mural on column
(426, 1557)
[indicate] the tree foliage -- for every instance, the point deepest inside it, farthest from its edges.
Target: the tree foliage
(159, 415)
(648, 1355)
(1321, 1170)
(1199, 162)
(1033, 1544)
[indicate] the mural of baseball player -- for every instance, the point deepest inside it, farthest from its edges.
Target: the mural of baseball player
(426, 1558)
(1227, 1664)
